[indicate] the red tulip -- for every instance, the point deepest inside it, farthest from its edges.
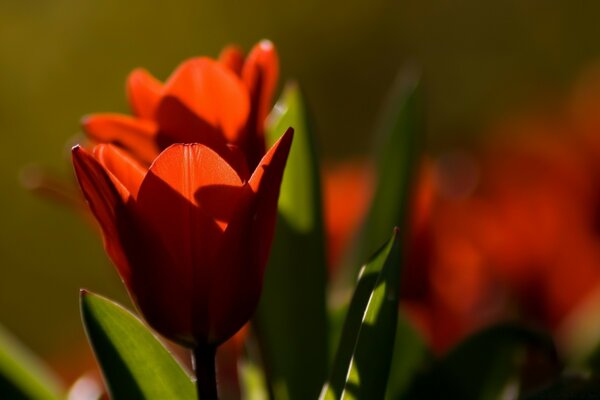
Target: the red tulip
(216, 103)
(190, 235)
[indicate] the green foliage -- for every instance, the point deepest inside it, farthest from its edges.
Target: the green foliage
(410, 356)
(571, 388)
(291, 320)
(364, 355)
(482, 366)
(22, 376)
(400, 129)
(252, 380)
(591, 360)
(134, 363)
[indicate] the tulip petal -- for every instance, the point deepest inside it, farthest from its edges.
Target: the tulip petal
(126, 170)
(260, 74)
(198, 175)
(237, 160)
(238, 281)
(233, 58)
(135, 135)
(265, 182)
(144, 93)
(183, 227)
(214, 93)
(179, 124)
(269, 171)
(105, 202)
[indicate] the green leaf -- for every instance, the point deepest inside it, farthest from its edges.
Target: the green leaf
(252, 380)
(22, 375)
(411, 355)
(300, 195)
(291, 321)
(364, 355)
(590, 360)
(397, 151)
(134, 362)
(482, 366)
(572, 388)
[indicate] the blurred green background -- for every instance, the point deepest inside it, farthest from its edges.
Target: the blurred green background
(62, 59)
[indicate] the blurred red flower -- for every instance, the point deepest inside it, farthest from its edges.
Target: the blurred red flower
(347, 191)
(217, 103)
(189, 236)
(506, 229)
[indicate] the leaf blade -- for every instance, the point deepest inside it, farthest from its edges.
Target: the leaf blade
(398, 135)
(481, 366)
(362, 363)
(22, 376)
(291, 320)
(410, 355)
(135, 365)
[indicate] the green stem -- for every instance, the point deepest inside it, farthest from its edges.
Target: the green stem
(204, 366)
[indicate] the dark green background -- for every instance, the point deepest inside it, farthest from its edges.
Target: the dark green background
(62, 59)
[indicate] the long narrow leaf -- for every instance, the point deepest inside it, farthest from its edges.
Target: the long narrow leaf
(22, 376)
(399, 133)
(363, 359)
(409, 358)
(134, 363)
(483, 365)
(291, 320)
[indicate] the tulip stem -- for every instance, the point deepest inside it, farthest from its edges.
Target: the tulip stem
(206, 378)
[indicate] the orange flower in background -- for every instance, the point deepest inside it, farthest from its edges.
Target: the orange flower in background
(190, 236)
(522, 241)
(347, 191)
(222, 104)
(507, 229)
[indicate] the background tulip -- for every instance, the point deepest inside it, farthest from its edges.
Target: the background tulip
(216, 103)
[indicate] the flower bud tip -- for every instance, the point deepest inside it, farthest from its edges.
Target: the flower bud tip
(84, 120)
(266, 45)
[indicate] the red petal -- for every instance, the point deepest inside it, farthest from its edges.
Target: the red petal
(144, 93)
(187, 190)
(243, 251)
(237, 283)
(269, 171)
(199, 176)
(127, 171)
(105, 202)
(214, 93)
(135, 135)
(233, 58)
(179, 124)
(266, 182)
(260, 74)
(237, 159)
